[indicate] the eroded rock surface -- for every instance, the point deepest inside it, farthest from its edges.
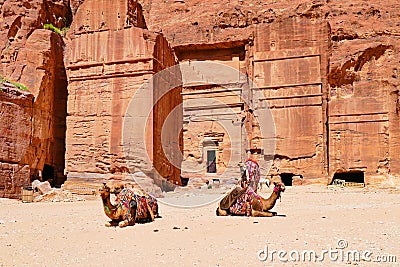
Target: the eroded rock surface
(328, 69)
(110, 55)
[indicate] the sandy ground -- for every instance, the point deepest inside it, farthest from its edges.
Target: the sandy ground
(316, 218)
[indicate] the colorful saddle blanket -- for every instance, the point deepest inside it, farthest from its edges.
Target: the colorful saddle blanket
(244, 203)
(251, 176)
(129, 200)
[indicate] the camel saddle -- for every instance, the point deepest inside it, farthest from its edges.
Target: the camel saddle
(231, 198)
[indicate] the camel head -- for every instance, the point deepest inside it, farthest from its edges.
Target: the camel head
(104, 191)
(279, 187)
(117, 188)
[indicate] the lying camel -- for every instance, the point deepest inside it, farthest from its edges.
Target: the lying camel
(129, 207)
(247, 202)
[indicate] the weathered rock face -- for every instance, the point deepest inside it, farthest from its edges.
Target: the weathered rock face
(289, 73)
(16, 109)
(20, 19)
(363, 107)
(104, 15)
(40, 67)
(290, 66)
(75, 4)
(334, 103)
(213, 105)
(33, 57)
(363, 114)
(107, 62)
(196, 21)
(329, 71)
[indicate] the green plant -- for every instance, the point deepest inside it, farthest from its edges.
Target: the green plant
(18, 85)
(52, 28)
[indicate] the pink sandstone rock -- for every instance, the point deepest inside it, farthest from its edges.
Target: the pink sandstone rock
(16, 109)
(20, 18)
(329, 71)
(106, 66)
(40, 67)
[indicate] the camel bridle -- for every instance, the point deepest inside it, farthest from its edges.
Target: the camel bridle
(278, 189)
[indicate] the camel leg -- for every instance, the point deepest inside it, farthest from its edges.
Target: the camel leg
(129, 218)
(156, 215)
(150, 212)
(132, 217)
(111, 223)
(221, 212)
(123, 223)
(256, 213)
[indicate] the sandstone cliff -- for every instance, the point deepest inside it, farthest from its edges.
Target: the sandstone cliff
(361, 79)
(336, 107)
(33, 57)
(16, 109)
(110, 56)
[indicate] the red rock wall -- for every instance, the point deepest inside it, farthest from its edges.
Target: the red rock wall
(394, 134)
(75, 5)
(104, 15)
(16, 109)
(348, 123)
(363, 114)
(363, 58)
(20, 19)
(40, 67)
(33, 57)
(105, 68)
(167, 138)
(196, 21)
(290, 65)
(213, 107)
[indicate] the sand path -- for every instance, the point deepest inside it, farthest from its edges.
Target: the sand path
(73, 234)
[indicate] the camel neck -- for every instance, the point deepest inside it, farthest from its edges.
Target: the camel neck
(108, 207)
(275, 195)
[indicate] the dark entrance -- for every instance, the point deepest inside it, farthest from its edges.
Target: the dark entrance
(350, 176)
(211, 161)
(48, 174)
(184, 181)
(287, 178)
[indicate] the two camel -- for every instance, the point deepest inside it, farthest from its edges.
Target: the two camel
(131, 207)
(242, 200)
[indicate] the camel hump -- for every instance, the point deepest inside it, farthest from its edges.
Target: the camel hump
(231, 198)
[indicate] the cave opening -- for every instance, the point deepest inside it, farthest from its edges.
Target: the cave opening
(350, 176)
(48, 174)
(287, 178)
(184, 181)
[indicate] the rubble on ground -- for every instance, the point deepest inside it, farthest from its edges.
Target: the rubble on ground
(43, 192)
